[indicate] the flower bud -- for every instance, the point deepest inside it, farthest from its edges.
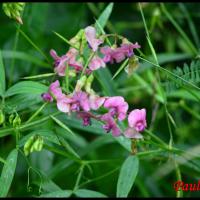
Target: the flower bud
(17, 121)
(13, 10)
(11, 117)
(34, 143)
(80, 83)
(28, 145)
(89, 83)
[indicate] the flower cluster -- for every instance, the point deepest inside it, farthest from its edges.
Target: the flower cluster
(85, 55)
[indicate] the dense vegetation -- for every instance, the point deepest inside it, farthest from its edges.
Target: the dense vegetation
(45, 152)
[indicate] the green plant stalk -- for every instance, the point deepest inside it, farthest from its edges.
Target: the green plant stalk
(86, 64)
(169, 72)
(13, 59)
(37, 112)
(188, 109)
(100, 177)
(178, 28)
(79, 178)
(62, 153)
(156, 138)
(8, 131)
(34, 45)
(179, 193)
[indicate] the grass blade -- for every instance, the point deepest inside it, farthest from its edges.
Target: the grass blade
(2, 76)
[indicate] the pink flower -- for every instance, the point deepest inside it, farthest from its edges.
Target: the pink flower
(112, 54)
(137, 119)
(85, 117)
(80, 100)
(95, 101)
(61, 62)
(118, 54)
(90, 34)
(108, 54)
(55, 90)
(127, 48)
(117, 107)
(63, 104)
(47, 97)
(110, 125)
(96, 63)
(132, 133)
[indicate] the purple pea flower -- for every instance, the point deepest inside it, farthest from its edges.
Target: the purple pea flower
(96, 63)
(86, 117)
(80, 100)
(47, 97)
(61, 62)
(90, 34)
(110, 125)
(95, 101)
(127, 48)
(117, 106)
(137, 119)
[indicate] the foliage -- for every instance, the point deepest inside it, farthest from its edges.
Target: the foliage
(63, 158)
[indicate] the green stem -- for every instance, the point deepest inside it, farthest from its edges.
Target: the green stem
(178, 28)
(8, 131)
(86, 64)
(36, 113)
(169, 72)
(100, 177)
(188, 109)
(156, 138)
(179, 193)
(13, 59)
(79, 178)
(60, 152)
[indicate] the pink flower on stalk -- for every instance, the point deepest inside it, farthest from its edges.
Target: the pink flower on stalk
(96, 63)
(117, 106)
(47, 97)
(118, 54)
(95, 101)
(80, 100)
(132, 133)
(61, 62)
(127, 48)
(112, 54)
(85, 117)
(90, 34)
(55, 90)
(63, 104)
(137, 119)
(110, 125)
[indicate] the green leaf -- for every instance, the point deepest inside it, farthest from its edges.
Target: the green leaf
(25, 87)
(2, 76)
(8, 173)
(104, 77)
(63, 193)
(25, 57)
(88, 193)
(21, 101)
(127, 176)
(102, 20)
